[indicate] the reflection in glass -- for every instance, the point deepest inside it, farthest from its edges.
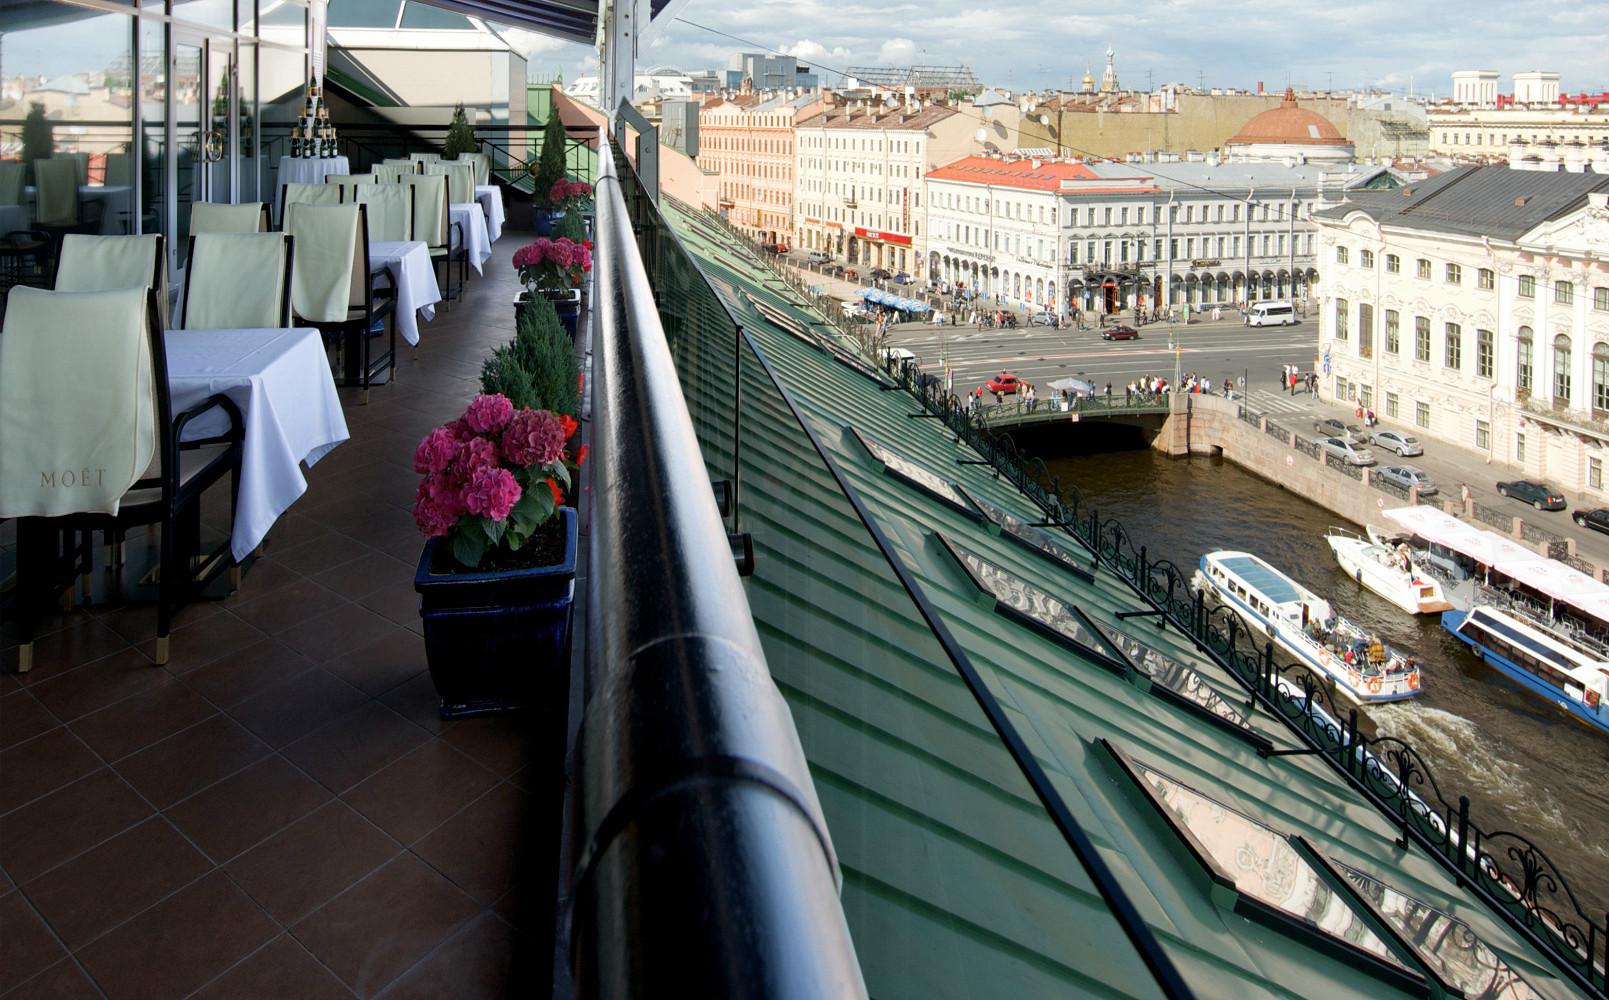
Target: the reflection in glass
(1031, 538)
(918, 475)
(1169, 673)
(1261, 863)
(1446, 944)
(1030, 602)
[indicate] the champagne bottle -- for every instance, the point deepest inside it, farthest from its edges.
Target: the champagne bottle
(296, 142)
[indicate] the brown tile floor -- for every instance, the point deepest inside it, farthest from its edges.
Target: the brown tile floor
(277, 812)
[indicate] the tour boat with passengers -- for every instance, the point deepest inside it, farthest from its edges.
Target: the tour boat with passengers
(1572, 671)
(1389, 571)
(1304, 625)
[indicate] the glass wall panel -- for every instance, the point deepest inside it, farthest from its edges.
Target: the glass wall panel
(281, 89)
(246, 139)
(153, 86)
(217, 14)
(75, 66)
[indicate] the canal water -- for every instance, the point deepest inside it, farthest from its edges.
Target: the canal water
(1527, 766)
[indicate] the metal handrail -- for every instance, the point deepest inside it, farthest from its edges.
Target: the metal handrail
(705, 859)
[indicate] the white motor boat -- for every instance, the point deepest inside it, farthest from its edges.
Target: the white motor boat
(1304, 625)
(1389, 571)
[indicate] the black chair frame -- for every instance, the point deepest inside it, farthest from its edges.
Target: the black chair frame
(353, 336)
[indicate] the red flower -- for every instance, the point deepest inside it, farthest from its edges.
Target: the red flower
(568, 423)
(581, 456)
(558, 494)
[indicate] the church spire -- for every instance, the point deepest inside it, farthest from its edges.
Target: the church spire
(1109, 78)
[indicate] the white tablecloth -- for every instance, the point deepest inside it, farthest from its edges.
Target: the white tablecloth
(114, 208)
(281, 381)
(300, 170)
(417, 291)
(490, 197)
(469, 215)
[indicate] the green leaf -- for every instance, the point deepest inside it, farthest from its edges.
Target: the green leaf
(493, 529)
(468, 548)
(529, 509)
(544, 496)
(561, 475)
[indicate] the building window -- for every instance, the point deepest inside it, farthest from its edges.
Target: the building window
(1527, 286)
(1365, 330)
(1600, 376)
(1453, 335)
(1173, 249)
(1486, 278)
(1421, 338)
(1600, 298)
(1519, 449)
(1421, 415)
(1595, 473)
(1341, 254)
(1455, 274)
(1343, 388)
(1522, 374)
(1391, 405)
(1393, 264)
(1424, 268)
(1563, 293)
(1483, 353)
(1365, 396)
(1366, 258)
(1561, 369)
(1392, 331)
(1483, 435)
(1341, 319)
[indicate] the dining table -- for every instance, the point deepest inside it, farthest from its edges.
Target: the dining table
(415, 277)
(490, 197)
(472, 218)
(112, 198)
(280, 379)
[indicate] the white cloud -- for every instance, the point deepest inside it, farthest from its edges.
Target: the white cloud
(897, 52)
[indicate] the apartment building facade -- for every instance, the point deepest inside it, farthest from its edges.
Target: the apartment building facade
(749, 141)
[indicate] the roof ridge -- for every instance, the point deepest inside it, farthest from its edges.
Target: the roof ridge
(1455, 178)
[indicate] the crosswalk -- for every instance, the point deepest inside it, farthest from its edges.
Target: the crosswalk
(1264, 401)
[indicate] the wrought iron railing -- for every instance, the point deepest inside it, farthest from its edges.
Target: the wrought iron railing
(1389, 489)
(1342, 466)
(1493, 517)
(1508, 870)
(1308, 448)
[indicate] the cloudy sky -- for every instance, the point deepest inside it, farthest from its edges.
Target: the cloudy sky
(1222, 43)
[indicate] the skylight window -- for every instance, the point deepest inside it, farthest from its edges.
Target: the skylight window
(1033, 539)
(1022, 600)
(1173, 679)
(918, 475)
(1448, 947)
(1272, 879)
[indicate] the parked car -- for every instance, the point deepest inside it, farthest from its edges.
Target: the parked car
(1538, 495)
(902, 278)
(1005, 382)
(818, 257)
(1120, 332)
(1042, 318)
(1403, 444)
(1598, 520)
(833, 270)
(1406, 477)
(1337, 428)
(879, 274)
(1346, 451)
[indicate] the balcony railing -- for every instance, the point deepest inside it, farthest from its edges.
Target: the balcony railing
(1584, 420)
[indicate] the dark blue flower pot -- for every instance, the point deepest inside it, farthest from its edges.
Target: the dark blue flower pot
(542, 220)
(493, 640)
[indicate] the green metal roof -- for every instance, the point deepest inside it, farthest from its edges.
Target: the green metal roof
(957, 882)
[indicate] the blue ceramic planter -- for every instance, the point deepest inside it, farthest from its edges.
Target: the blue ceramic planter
(493, 640)
(542, 220)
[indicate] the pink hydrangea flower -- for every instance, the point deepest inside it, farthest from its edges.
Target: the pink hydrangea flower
(438, 448)
(437, 506)
(534, 437)
(492, 493)
(560, 253)
(489, 414)
(476, 453)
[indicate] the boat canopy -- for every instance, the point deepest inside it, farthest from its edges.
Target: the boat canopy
(1508, 557)
(1262, 578)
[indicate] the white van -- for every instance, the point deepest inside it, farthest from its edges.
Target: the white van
(818, 256)
(1271, 314)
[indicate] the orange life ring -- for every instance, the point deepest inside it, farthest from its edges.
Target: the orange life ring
(1413, 682)
(1374, 685)
(1592, 698)
(1324, 657)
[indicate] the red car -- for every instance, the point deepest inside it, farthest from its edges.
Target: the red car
(1005, 382)
(1120, 333)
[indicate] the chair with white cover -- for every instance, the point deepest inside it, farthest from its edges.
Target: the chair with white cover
(407, 165)
(11, 182)
(483, 166)
(424, 158)
(348, 183)
(390, 210)
(385, 173)
(93, 263)
(432, 225)
(248, 217)
(238, 281)
(333, 290)
(109, 461)
(306, 194)
(460, 179)
(57, 206)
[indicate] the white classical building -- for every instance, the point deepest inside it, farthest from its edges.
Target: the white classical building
(1473, 308)
(1475, 87)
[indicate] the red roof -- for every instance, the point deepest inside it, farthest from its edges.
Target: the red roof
(1047, 176)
